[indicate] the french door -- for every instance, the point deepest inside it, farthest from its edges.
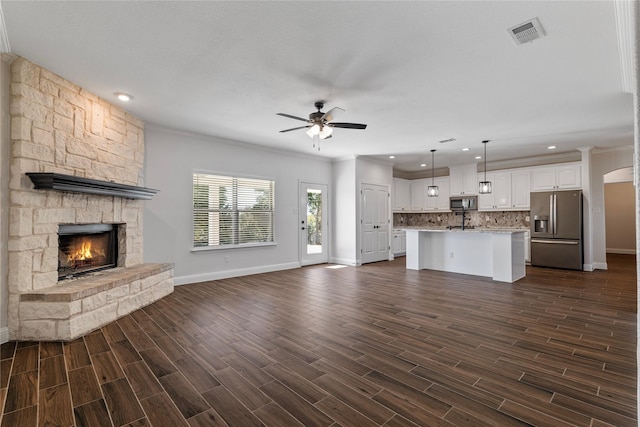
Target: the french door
(313, 230)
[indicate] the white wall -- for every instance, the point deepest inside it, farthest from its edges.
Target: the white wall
(171, 157)
(344, 212)
(603, 162)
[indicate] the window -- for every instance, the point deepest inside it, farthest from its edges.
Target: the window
(232, 211)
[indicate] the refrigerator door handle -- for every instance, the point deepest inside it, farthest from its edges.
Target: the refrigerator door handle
(555, 214)
(556, 242)
(551, 214)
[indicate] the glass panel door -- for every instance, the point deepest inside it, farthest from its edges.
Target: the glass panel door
(313, 224)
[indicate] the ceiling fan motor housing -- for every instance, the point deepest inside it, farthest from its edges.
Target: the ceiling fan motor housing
(315, 117)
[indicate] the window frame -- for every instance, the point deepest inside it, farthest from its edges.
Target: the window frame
(236, 213)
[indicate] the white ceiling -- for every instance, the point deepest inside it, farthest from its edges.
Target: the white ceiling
(415, 72)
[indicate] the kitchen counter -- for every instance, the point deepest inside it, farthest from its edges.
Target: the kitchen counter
(489, 252)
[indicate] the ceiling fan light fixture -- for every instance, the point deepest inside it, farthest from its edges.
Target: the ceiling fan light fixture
(313, 131)
(325, 132)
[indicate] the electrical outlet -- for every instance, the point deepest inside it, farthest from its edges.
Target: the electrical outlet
(450, 254)
(527, 218)
(226, 259)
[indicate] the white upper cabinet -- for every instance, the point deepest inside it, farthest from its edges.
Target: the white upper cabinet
(463, 180)
(559, 177)
(500, 196)
(401, 196)
(418, 190)
(511, 188)
(510, 191)
(440, 203)
(521, 189)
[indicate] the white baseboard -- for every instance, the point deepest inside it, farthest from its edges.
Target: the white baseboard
(621, 251)
(344, 261)
(600, 266)
(225, 274)
(4, 335)
(587, 267)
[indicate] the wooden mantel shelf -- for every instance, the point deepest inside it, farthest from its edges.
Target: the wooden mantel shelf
(76, 184)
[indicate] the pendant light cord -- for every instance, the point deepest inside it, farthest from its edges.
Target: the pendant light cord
(432, 169)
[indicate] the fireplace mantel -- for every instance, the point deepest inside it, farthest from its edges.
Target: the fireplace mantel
(61, 182)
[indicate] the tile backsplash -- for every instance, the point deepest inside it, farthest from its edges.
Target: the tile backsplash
(502, 219)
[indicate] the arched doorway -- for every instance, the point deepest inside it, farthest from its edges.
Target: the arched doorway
(619, 206)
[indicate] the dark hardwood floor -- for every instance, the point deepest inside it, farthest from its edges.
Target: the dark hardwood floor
(367, 346)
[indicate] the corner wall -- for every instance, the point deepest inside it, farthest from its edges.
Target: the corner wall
(5, 143)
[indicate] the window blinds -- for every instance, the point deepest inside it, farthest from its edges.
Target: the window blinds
(231, 210)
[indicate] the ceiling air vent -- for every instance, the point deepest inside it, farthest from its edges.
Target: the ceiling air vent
(527, 31)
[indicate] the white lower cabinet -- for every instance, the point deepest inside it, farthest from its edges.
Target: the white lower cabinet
(399, 242)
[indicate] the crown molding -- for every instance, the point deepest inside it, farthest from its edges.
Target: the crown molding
(4, 37)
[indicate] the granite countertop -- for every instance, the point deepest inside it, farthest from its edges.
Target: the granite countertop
(466, 229)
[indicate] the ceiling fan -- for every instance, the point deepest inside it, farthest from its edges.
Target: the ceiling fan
(320, 124)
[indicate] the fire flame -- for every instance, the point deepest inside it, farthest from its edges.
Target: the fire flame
(84, 252)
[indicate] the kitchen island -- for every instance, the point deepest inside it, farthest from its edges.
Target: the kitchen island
(494, 253)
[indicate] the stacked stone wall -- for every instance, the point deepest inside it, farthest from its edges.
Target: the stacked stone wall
(56, 126)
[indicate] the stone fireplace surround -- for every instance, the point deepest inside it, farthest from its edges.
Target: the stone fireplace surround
(58, 127)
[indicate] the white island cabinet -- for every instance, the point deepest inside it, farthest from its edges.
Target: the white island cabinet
(498, 254)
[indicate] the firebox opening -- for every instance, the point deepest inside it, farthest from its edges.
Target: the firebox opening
(86, 248)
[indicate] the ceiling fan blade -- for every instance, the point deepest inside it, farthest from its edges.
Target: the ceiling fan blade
(301, 127)
(348, 125)
(292, 117)
(329, 115)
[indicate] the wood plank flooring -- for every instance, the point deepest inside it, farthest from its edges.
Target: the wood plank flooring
(376, 345)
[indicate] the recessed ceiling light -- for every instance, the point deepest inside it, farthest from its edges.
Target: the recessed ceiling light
(392, 157)
(551, 147)
(424, 165)
(123, 96)
(478, 157)
(466, 149)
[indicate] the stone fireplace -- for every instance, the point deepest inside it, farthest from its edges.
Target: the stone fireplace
(88, 157)
(86, 248)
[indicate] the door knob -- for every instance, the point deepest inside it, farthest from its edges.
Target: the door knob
(302, 228)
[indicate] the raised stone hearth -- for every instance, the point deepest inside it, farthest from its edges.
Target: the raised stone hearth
(63, 134)
(70, 309)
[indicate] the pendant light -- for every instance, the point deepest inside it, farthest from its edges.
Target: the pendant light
(485, 186)
(432, 190)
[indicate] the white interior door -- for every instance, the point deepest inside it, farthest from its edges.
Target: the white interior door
(314, 248)
(374, 223)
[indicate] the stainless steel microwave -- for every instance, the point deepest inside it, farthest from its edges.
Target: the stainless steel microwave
(463, 203)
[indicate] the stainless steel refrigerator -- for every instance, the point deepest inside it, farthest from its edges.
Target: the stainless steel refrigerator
(556, 229)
